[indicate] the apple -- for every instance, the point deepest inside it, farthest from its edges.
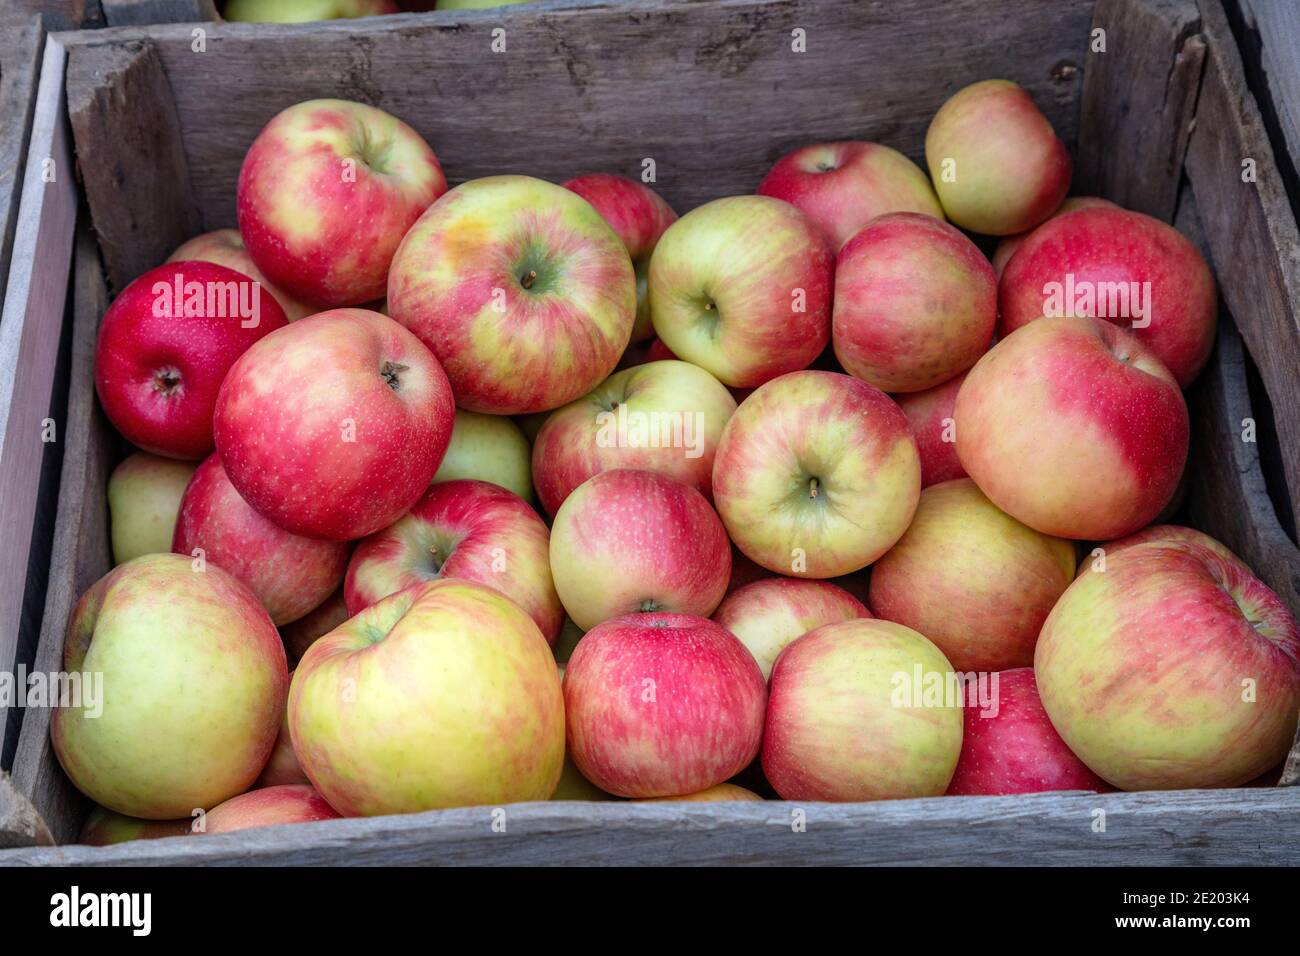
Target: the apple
(629, 540)
(846, 722)
(291, 575)
(467, 530)
(843, 186)
(915, 303)
(1121, 266)
(326, 192)
(303, 11)
(662, 416)
(1011, 747)
(490, 448)
(742, 288)
(995, 160)
(1164, 534)
(817, 475)
(282, 768)
(1175, 668)
(521, 289)
(639, 215)
(661, 705)
(931, 416)
(442, 695)
(226, 248)
(1007, 247)
(335, 426)
(270, 806)
(301, 634)
(721, 793)
(166, 343)
(144, 494)
(573, 785)
(105, 828)
(1073, 427)
(193, 678)
(769, 614)
(974, 580)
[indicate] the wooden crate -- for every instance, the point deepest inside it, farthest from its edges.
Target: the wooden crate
(712, 91)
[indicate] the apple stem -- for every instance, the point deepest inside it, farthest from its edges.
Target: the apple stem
(527, 280)
(812, 488)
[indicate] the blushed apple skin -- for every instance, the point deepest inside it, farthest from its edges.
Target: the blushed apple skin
(301, 634)
(1066, 436)
(1017, 750)
(629, 540)
(768, 615)
(282, 767)
(106, 828)
(303, 11)
(1012, 171)
(157, 376)
(721, 793)
(466, 530)
(521, 289)
(1143, 669)
(569, 448)
(843, 186)
(832, 731)
(725, 289)
(144, 495)
(1163, 534)
(972, 579)
(326, 192)
(488, 448)
(287, 410)
(289, 574)
(1008, 246)
(226, 248)
(931, 417)
(915, 303)
(268, 807)
(194, 680)
(1109, 244)
(845, 433)
(639, 215)
(661, 705)
(445, 695)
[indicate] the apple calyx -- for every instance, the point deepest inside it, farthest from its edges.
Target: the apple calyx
(392, 374)
(813, 485)
(649, 606)
(167, 381)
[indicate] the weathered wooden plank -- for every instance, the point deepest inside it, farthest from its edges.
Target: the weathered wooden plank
(20, 824)
(1269, 34)
(1247, 827)
(129, 13)
(63, 14)
(1139, 97)
(22, 39)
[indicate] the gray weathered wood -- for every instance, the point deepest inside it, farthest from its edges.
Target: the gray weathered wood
(129, 13)
(63, 14)
(1272, 43)
(20, 824)
(22, 39)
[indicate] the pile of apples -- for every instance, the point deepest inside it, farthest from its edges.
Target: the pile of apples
(725, 417)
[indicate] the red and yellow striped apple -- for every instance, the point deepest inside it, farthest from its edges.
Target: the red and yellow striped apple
(282, 766)
(268, 807)
(722, 793)
(1007, 246)
(105, 828)
(930, 415)
(226, 248)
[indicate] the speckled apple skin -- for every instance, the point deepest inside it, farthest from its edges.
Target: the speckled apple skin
(268, 807)
(930, 415)
(1008, 246)
(226, 248)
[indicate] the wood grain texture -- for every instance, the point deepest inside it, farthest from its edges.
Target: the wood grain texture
(20, 824)
(1139, 98)
(1270, 41)
(22, 39)
(130, 13)
(63, 14)
(1248, 827)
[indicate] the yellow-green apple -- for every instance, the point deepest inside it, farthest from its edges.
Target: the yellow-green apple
(165, 345)
(1073, 427)
(1007, 247)
(1121, 266)
(662, 416)
(291, 575)
(915, 303)
(639, 215)
(326, 192)
(851, 715)
(490, 448)
(722, 793)
(268, 807)
(333, 427)
(843, 186)
(442, 695)
(226, 248)
(995, 160)
(282, 766)
(630, 541)
(302, 633)
(767, 615)
(1174, 668)
(467, 530)
(573, 785)
(105, 827)
(303, 11)
(1011, 747)
(193, 682)
(817, 475)
(931, 416)
(521, 289)
(144, 494)
(661, 705)
(971, 578)
(742, 288)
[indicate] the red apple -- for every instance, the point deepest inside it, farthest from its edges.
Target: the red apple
(1163, 534)
(472, 530)
(843, 186)
(269, 806)
(335, 426)
(1007, 246)
(661, 705)
(1121, 266)
(165, 345)
(226, 248)
(326, 193)
(915, 303)
(931, 417)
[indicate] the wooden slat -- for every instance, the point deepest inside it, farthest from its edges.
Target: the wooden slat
(129, 13)
(1271, 48)
(22, 39)
(20, 824)
(63, 14)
